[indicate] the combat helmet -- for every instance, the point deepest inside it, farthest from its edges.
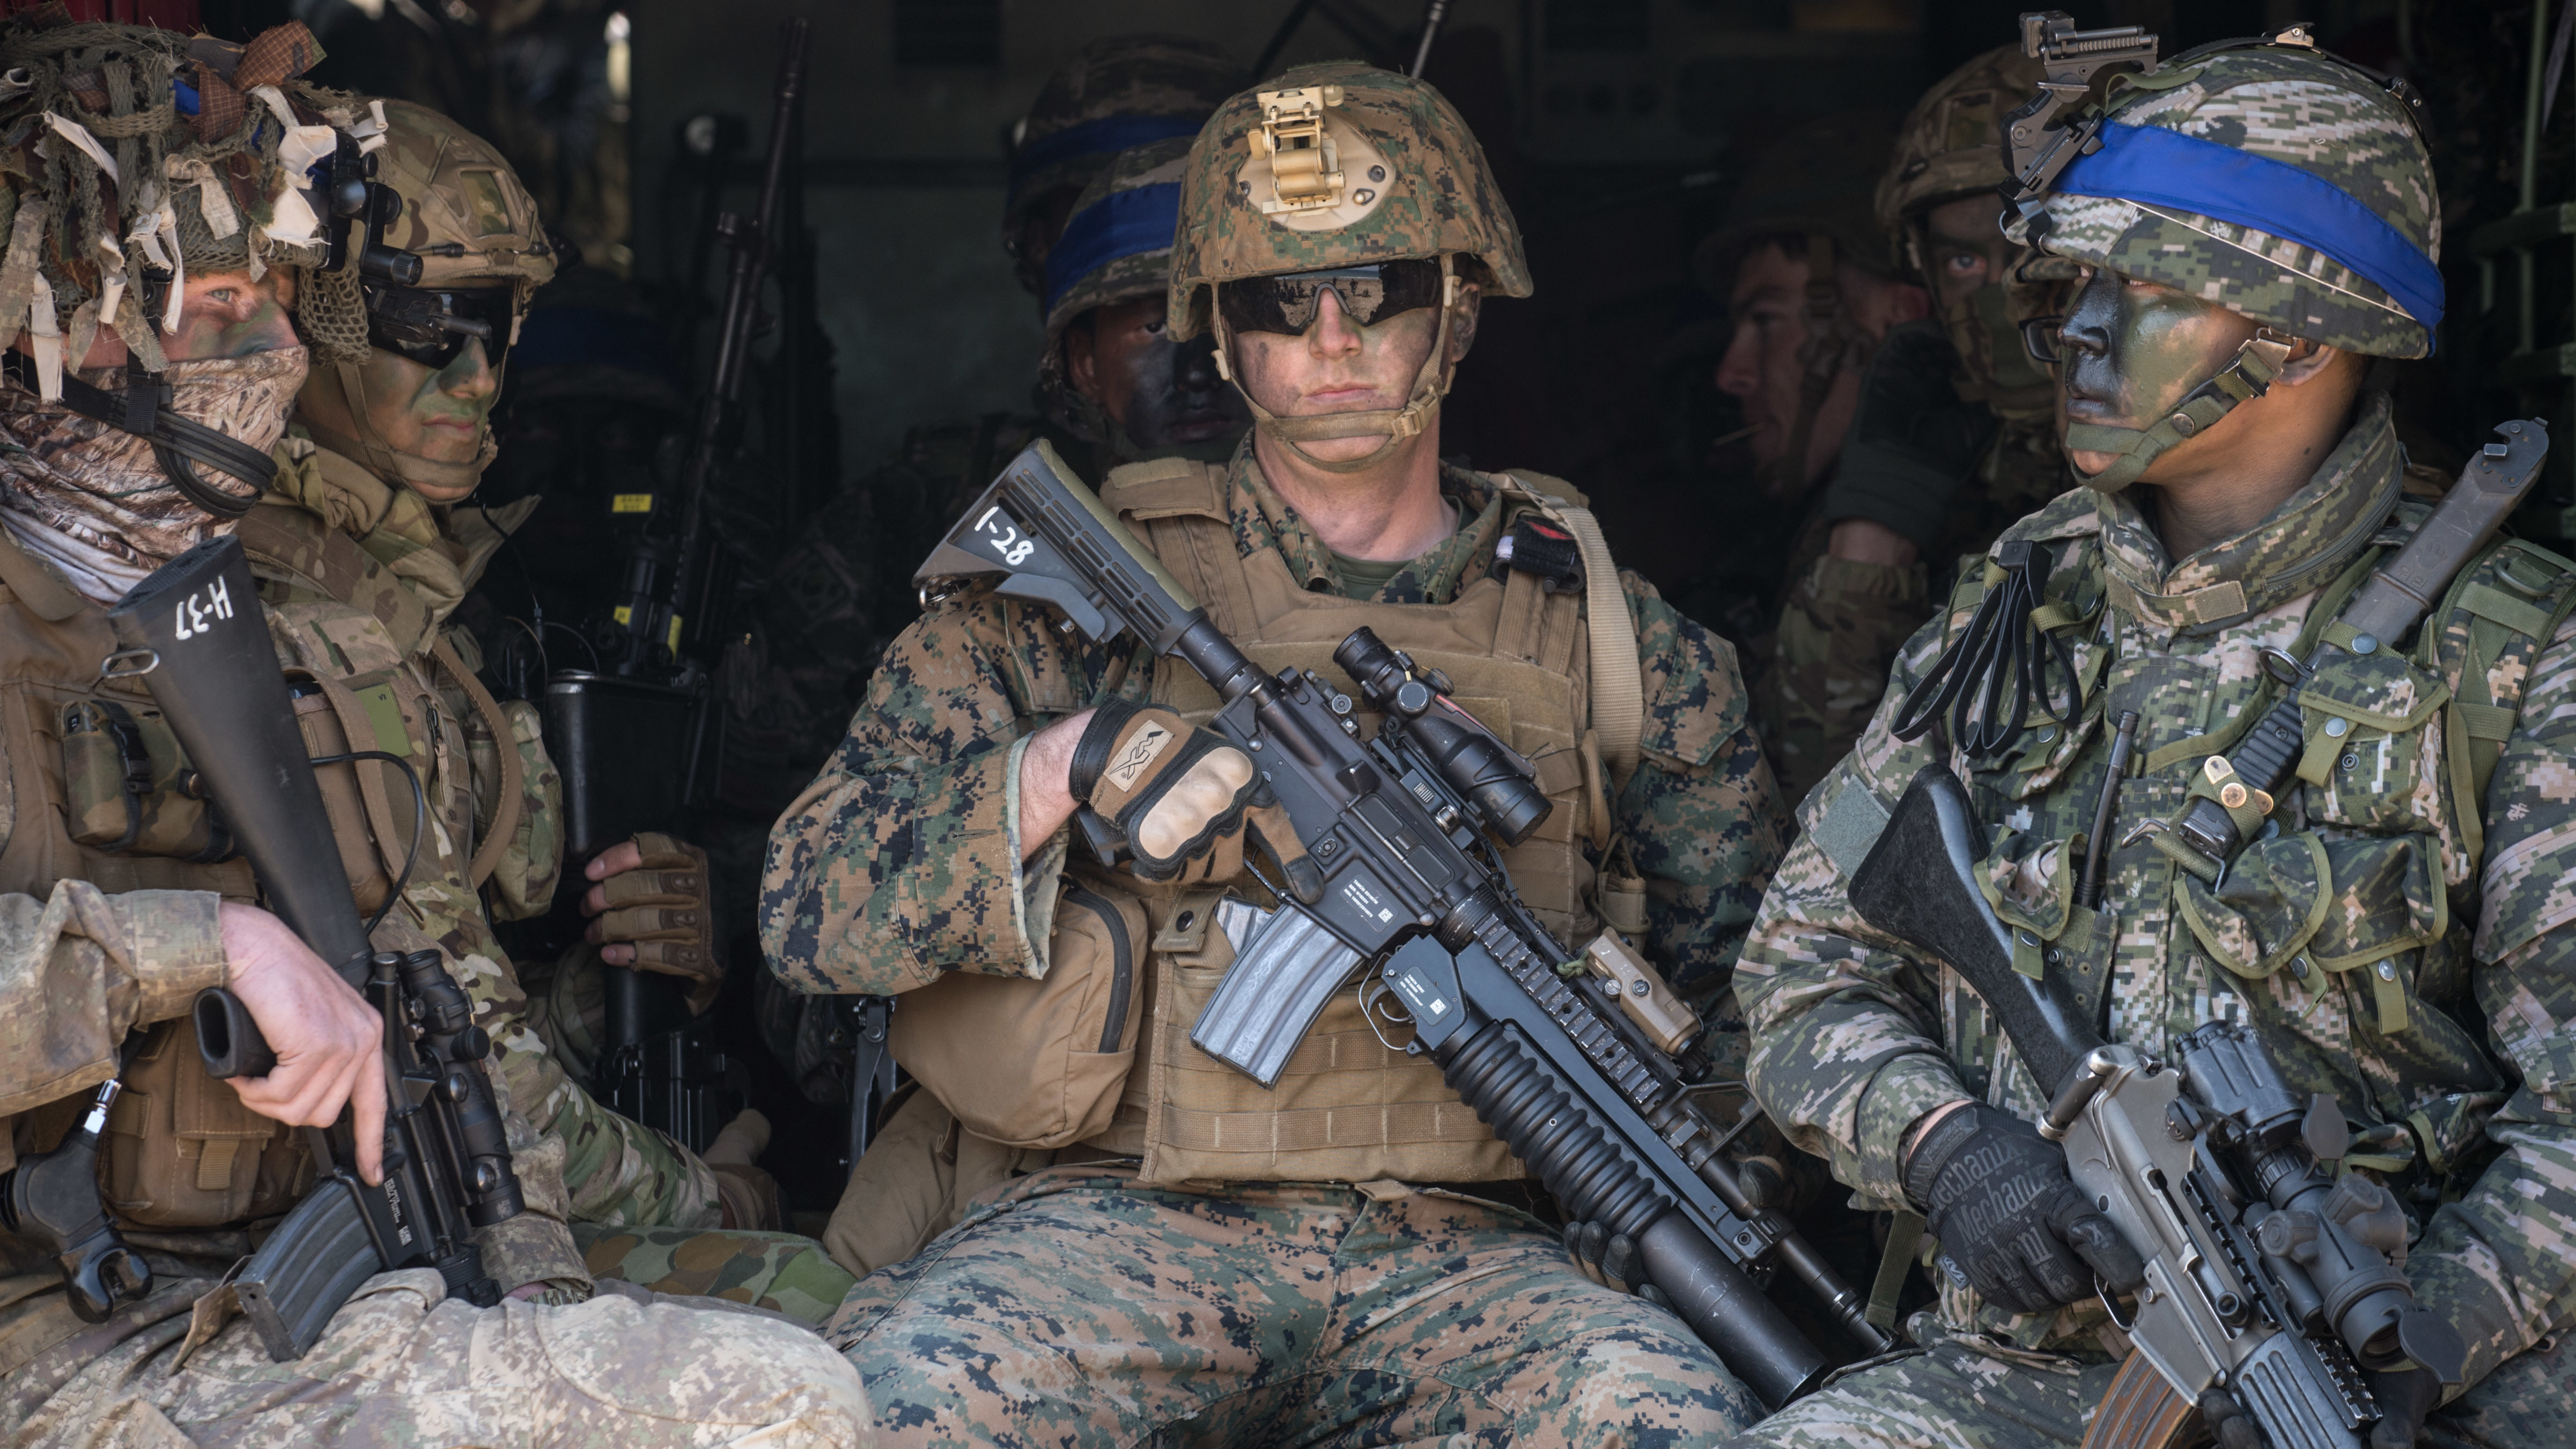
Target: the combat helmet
(450, 223)
(1340, 165)
(143, 155)
(1951, 148)
(1120, 92)
(2286, 184)
(1116, 247)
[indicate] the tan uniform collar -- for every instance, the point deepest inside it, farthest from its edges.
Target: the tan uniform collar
(394, 525)
(2295, 550)
(1264, 520)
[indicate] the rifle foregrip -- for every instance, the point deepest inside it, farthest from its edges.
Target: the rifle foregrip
(228, 1039)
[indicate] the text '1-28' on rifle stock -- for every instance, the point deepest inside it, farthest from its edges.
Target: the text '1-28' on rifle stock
(1399, 881)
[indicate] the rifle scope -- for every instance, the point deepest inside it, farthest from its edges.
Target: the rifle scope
(1493, 777)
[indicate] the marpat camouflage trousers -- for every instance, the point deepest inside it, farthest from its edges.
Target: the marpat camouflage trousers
(1957, 1397)
(403, 1365)
(1075, 1308)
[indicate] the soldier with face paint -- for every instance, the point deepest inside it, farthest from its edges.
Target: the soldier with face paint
(390, 439)
(191, 259)
(2256, 224)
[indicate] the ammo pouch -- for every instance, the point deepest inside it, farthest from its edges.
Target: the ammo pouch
(1037, 1063)
(127, 788)
(369, 803)
(181, 1151)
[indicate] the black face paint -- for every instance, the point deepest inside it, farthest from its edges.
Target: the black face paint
(2132, 356)
(1175, 396)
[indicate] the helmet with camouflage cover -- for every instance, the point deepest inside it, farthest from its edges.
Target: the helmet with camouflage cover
(1951, 146)
(1120, 92)
(464, 213)
(1341, 165)
(1116, 247)
(2283, 183)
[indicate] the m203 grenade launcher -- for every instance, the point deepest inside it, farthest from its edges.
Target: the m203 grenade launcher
(1392, 878)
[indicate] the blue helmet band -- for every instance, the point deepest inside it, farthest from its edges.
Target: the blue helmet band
(2154, 166)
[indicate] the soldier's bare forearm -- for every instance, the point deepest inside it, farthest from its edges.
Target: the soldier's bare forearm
(1045, 803)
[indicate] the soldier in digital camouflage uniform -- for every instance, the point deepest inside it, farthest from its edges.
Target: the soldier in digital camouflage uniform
(845, 590)
(117, 904)
(391, 438)
(2403, 942)
(1110, 373)
(1954, 437)
(1290, 1264)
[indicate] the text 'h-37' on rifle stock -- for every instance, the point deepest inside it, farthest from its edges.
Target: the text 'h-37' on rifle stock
(194, 632)
(1403, 888)
(2266, 1276)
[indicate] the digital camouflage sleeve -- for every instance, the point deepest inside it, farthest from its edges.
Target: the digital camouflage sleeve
(1852, 1042)
(902, 860)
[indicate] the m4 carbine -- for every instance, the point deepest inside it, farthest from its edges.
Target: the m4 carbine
(1392, 875)
(193, 630)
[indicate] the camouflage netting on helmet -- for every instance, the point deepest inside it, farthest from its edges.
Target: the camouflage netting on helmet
(2295, 107)
(134, 156)
(1117, 247)
(1413, 181)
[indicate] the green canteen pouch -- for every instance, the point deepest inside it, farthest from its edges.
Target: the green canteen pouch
(127, 788)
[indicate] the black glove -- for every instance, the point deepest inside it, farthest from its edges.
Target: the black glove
(1997, 1195)
(1912, 441)
(1612, 1260)
(1175, 792)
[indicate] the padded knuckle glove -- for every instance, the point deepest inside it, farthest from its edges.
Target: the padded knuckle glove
(662, 909)
(1997, 1195)
(1176, 792)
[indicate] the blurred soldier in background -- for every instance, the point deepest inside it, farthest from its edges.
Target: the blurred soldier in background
(1810, 289)
(1955, 432)
(391, 436)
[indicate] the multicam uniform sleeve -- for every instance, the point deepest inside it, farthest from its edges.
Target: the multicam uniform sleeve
(902, 860)
(1702, 817)
(2502, 1259)
(1840, 629)
(81, 967)
(1846, 1034)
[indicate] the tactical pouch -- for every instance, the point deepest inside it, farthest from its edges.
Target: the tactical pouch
(369, 803)
(181, 1151)
(127, 789)
(1037, 1063)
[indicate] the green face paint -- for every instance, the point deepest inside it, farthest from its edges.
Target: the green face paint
(2136, 356)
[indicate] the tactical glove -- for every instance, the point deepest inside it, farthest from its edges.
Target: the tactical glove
(1175, 792)
(1612, 1260)
(2406, 1396)
(1913, 440)
(1997, 1195)
(661, 908)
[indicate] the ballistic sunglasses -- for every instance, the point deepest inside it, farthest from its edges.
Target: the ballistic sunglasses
(1289, 303)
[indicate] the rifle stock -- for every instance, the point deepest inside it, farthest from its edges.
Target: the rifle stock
(195, 632)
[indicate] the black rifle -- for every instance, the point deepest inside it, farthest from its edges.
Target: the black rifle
(193, 630)
(2266, 1277)
(632, 739)
(1396, 871)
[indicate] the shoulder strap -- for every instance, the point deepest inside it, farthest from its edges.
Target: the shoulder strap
(283, 539)
(2517, 592)
(505, 743)
(1618, 680)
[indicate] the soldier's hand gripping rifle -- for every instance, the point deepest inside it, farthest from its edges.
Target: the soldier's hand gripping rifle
(1391, 873)
(194, 631)
(2265, 1277)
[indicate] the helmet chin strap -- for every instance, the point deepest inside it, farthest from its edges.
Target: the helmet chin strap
(2257, 364)
(1430, 384)
(380, 458)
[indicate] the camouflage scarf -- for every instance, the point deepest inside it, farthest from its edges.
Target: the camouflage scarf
(93, 500)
